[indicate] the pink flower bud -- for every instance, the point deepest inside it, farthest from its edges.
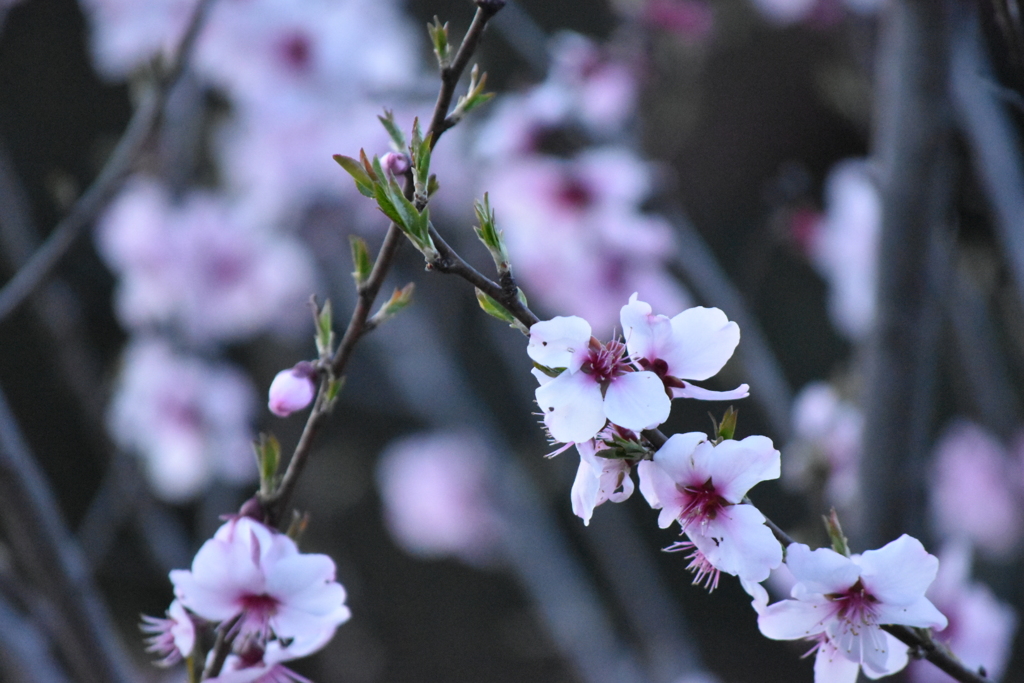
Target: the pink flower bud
(394, 163)
(292, 389)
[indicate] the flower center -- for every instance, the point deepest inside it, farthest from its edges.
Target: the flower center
(256, 613)
(605, 362)
(702, 505)
(856, 606)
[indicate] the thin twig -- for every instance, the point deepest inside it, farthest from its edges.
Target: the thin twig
(276, 504)
(934, 653)
(109, 181)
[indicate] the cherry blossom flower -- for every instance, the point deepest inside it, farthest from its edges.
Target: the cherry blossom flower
(598, 383)
(694, 344)
(435, 496)
(256, 664)
(981, 627)
(172, 638)
(292, 389)
(841, 602)
(258, 575)
(973, 493)
(702, 486)
(599, 479)
(188, 419)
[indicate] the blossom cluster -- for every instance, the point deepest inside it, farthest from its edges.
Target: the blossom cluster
(270, 601)
(603, 397)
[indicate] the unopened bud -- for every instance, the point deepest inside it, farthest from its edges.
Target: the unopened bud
(292, 389)
(394, 163)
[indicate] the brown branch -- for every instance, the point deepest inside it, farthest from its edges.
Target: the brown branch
(109, 181)
(923, 644)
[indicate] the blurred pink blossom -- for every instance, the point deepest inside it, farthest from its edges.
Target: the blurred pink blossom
(845, 248)
(186, 418)
(126, 34)
(981, 627)
(195, 265)
(827, 434)
(692, 19)
(577, 238)
(974, 493)
(435, 496)
(171, 638)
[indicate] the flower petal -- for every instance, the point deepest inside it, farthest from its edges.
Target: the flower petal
(584, 491)
(822, 570)
(737, 542)
(675, 457)
(896, 658)
(560, 342)
(702, 394)
(645, 334)
(734, 467)
(793, 619)
(900, 572)
(648, 472)
(637, 401)
(830, 666)
(573, 407)
(703, 340)
(922, 614)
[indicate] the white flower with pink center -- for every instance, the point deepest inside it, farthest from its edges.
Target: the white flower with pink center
(598, 383)
(257, 575)
(693, 345)
(842, 602)
(702, 486)
(173, 638)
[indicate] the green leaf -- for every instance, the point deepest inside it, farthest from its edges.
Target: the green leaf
(383, 197)
(324, 330)
(727, 427)
(399, 300)
(360, 260)
(397, 137)
(363, 182)
(333, 389)
(268, 458)
(835, 534)
(439, 39)
(490, 235)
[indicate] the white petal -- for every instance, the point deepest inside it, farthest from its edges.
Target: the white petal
(702, 394)
(758, 593)
(900, 572)
(560, 342)
(703, 340)
(896, 658)
(645, 334)
(647, 472)
(922, 614)
(637, 401)
(822, 570)
(793, 619)
(737, 542)
(675, 457)
(830, 666)
(584, 491)
(736, 466)
(573, 407)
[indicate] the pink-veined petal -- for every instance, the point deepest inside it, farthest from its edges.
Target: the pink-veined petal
(900, 572)
(637, 401)
(822, 570)
(793, 619)
(702, 394)
(560, 342)
(703, 340)
(676, 457)
(573, 407)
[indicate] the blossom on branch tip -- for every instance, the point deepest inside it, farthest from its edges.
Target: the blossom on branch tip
(842, 602)
(598, 382)
(599, 478)
(693, 345)
(251, 572)
(292, 389)
(702, 486)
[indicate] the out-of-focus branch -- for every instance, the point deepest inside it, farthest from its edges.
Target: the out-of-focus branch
(48, 553)
(110, 179)
(912, 147)
(702, 272)
(24, 655)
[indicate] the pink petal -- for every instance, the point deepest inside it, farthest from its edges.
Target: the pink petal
(737, 542)
(676, 457)
(821, 571)
(830, 666)
(897, 656)
(702, 394)
(648, 472)
(584, 491)
(645, 334)
(922, 614)
(793, 619)
(637, 401)
(736, 466)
